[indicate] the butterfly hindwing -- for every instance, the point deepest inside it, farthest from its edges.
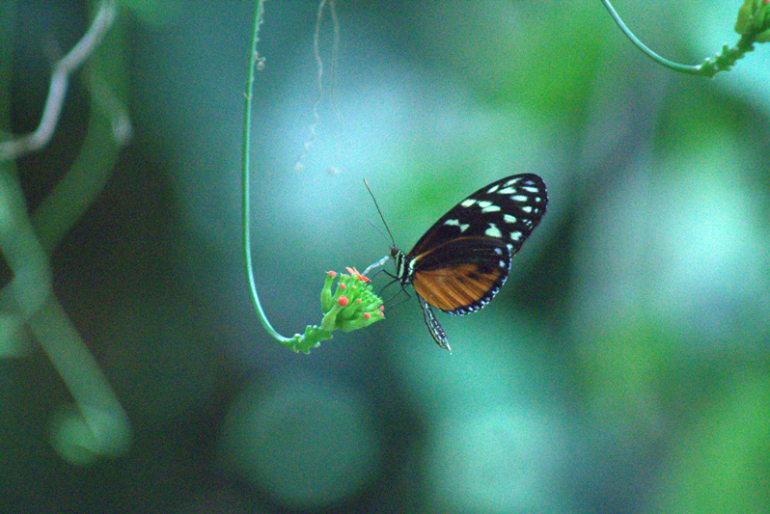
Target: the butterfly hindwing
(462, 275)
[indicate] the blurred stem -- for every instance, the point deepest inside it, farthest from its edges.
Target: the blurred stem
(255, 63)
(106, 430)
(98, 425)
(85, 180)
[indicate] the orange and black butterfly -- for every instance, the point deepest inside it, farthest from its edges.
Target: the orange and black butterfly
(464, 258)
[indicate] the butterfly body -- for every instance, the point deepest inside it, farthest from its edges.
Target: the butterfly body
(463, 260)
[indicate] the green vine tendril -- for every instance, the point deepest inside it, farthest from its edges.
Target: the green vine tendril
(353, 304)
(753, 25)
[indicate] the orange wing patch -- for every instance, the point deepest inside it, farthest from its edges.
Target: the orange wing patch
(455, 287)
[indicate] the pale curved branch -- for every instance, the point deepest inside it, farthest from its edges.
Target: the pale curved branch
(15, 148)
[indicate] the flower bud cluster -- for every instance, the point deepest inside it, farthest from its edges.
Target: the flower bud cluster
(349, 306)
(754, 19)
(352, 305)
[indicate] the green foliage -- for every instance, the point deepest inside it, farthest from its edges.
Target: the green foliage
(720, 463)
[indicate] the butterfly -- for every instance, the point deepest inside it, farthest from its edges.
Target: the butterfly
(463, 260)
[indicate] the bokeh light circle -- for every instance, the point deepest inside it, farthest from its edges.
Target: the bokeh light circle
(305, 444)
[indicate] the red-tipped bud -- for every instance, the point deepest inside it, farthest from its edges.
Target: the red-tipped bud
(354, 273)
(343, 300)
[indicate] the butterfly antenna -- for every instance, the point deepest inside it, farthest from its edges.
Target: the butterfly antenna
(378, 229)
(392, 241)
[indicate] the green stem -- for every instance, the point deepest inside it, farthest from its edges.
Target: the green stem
(255, 63)
(692, 70)
(711, 66)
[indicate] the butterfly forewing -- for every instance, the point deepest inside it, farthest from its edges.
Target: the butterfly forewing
(507, 210)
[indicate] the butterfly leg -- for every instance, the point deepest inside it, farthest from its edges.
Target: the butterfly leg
(435, 328)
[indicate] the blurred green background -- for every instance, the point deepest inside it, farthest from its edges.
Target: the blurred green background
(622, 369)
